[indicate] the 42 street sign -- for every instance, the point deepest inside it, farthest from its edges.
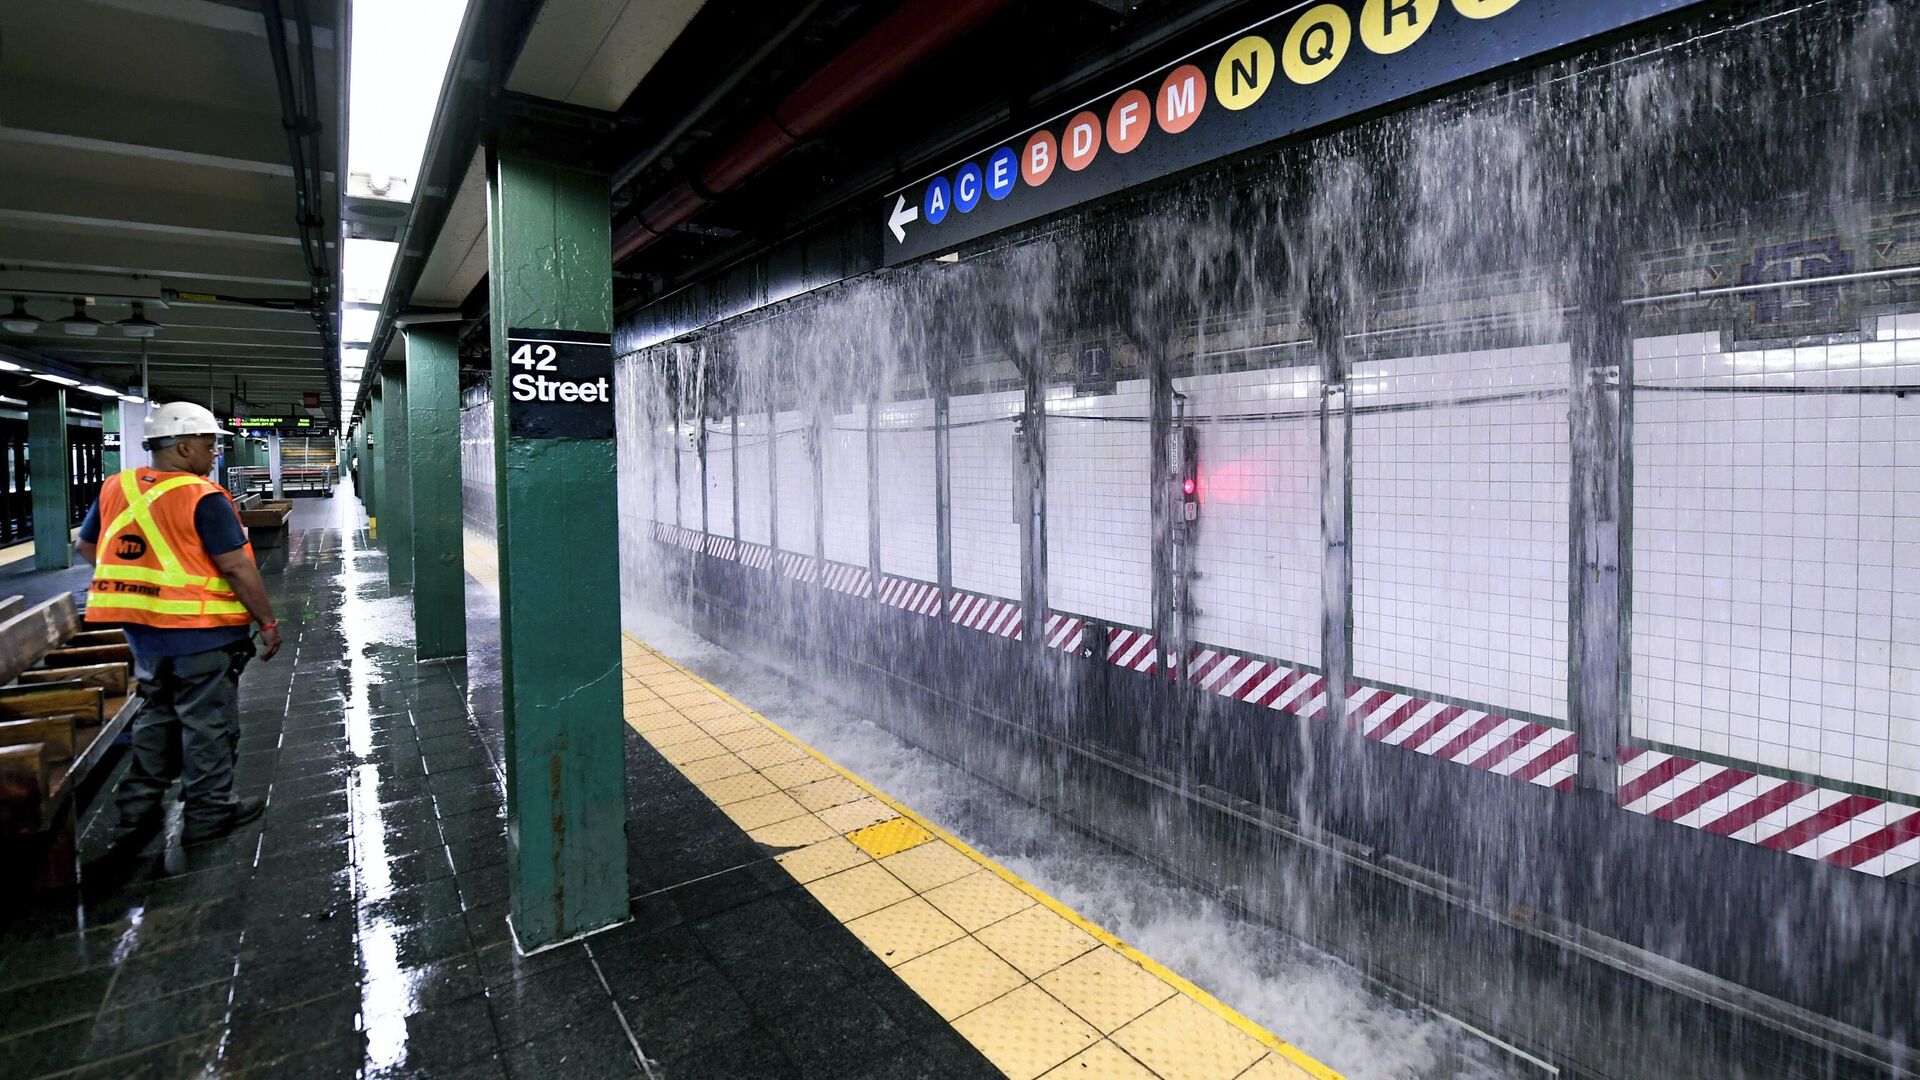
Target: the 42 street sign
(1301, 68)
(559, 384)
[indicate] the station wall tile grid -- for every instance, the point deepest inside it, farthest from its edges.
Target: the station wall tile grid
(843, 494)
(1038, 990)
(1099, 505)
(909, 542)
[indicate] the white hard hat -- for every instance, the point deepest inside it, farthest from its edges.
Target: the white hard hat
(177, 418)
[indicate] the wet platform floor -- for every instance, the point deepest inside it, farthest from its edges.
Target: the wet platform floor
(360, 928)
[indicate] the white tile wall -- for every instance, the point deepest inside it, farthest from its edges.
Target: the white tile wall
(756, 505)
(1258, 547)
(690, 477)
(719, 477)
(1776, 556)
(909, 519)
(843, 478)
(1099, 505)
(986, 542)
(1460, 528)
(796, 503)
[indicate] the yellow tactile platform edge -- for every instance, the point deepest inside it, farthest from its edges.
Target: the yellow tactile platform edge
(1041, 991)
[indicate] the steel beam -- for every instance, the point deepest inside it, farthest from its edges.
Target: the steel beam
(1600, 411)
(49, 461)
(396, 525)
(433, 476)
(550, 267)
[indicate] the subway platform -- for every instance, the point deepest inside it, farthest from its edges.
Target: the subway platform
(787, 918)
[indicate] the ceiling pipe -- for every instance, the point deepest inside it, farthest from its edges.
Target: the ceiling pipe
(877, 60)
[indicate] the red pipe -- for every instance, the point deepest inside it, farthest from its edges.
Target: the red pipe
(916, 31)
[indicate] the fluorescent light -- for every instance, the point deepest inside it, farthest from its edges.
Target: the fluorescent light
(61, 379)
(400, 54)
(364, 269)
(8, 365)
(96, 388)
(83, 412)
(356, 322)
(11, 401)
(133, 399)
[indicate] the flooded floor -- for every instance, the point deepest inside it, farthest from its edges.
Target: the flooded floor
(1316, 1002)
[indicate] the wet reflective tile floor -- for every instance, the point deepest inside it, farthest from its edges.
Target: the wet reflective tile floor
(359, 929)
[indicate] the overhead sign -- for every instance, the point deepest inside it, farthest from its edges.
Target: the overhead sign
(1299, 69)
(559, 384)
(292, 425)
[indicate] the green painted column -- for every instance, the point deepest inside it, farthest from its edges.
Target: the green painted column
(110, 438)
(370, 464)
(49, 465)
(433, 473)
(550, 267)
(396, 513)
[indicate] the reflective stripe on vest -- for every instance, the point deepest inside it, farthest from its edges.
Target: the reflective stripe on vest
(160, 589)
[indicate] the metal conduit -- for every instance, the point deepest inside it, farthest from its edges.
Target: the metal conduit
(871, 64)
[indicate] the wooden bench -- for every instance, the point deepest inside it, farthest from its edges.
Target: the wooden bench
(70, 694)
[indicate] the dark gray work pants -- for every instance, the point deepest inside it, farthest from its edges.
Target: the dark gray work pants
(188, 727)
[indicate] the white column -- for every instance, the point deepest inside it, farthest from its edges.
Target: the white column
(273, 462)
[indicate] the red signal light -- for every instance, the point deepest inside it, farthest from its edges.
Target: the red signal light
(1187, 485)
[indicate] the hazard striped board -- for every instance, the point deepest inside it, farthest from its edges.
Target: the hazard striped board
(758, 556)
(852, 580)
(994, 616)
(797, 566)
(1522, 749)
(1064, 632)
(723, 547)
(916, 596)
(679, 537)
(1860, 832)
(1259, 682)
(1135, 650)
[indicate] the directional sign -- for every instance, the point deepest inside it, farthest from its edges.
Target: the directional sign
(559, 384)
(1299, 69)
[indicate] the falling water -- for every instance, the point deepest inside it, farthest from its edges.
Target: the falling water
(1428, 402)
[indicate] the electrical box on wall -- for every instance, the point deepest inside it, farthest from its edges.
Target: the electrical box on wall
(1183, 475)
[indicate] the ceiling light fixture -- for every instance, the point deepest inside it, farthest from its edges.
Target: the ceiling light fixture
(81, 324)
(138, 325)
(61, 380)
(96, 388)
(19, 321)
(8, 365)
(133, 399)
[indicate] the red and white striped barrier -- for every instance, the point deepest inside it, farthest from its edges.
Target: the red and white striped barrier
(999, 617)
(852, 580)
(1536, 753)
(916, 596)
(1064, 632)
(1135, 650)
(1860, 832)
(1259, 682)
(679, 537)
(798, 567)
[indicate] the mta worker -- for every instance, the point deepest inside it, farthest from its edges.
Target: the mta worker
(173, 567)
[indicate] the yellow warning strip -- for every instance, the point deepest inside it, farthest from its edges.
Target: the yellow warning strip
(669, 705)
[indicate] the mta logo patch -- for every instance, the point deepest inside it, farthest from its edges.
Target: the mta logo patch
(131, 546)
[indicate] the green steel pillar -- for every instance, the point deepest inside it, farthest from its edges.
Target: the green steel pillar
(371, 464)
(433, 473)
(550, 268)
(110, 439)
(50, 470)
(396, 513)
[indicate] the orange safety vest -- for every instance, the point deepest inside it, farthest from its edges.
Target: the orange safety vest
(149, 567)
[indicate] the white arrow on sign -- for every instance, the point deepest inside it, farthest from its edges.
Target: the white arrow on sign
(902, 213)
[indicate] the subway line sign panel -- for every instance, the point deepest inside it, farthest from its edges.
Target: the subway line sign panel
(1306, 66)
